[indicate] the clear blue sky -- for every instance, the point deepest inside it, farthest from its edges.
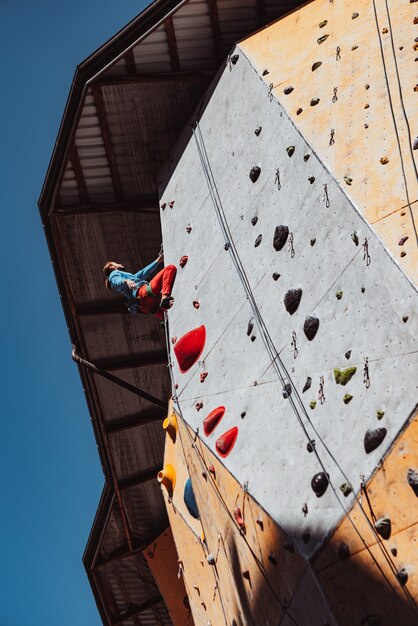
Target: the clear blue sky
(51, 478)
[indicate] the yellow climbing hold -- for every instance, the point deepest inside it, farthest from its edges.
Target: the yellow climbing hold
(170, 426)
(167, 477)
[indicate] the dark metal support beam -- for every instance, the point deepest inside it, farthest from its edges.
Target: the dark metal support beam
(172, 44)
(204, 76)
(146, 204)
(79, 176)
(131, 361)
(118, 381)
(107, 140)
(130, 63)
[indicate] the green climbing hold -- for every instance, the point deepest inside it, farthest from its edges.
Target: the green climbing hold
(346, 489)
(316, 65)
(323, 23)
(339, 295)
(347, 398)
(322, 39)
(312, 404)
(380, 414)
(342, 377)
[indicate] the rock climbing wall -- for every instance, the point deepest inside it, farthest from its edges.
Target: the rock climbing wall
(293, 334)
(346, 73)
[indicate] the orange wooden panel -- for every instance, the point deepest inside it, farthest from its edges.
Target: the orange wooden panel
(352, 128)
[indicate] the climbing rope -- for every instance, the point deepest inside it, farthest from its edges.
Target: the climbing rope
(393, 112)
(277, 362)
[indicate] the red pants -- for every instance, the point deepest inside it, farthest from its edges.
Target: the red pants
(162, 283)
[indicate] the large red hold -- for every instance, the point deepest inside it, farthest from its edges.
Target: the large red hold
(189, 348)
(212, 420)
(227, 441)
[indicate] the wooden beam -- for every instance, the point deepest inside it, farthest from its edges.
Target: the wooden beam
(130, 63)
(199, 77)
(140, 478)
(101, 307)
(172, 44)
(146, 416)
(261, 12)
(107, 140)
(130, 361)
(118, 620)
(147, 204)
(216, 30)
(79, 176)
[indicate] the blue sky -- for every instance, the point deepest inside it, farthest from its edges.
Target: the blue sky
(51, 478)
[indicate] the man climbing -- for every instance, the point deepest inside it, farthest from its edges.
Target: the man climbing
(143, 297)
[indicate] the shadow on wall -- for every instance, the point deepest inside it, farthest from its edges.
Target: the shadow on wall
(349, 590)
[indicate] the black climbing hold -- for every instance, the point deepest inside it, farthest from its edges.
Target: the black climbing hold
(253, 338)
(306, 537)
(413, 481)
(257, 130)
(316, 65)
(272, 559)
(319, 483)
(383, 527)
(354, 237)
(255, 173)
(323, 23)
(402, 576)
(288, 90)
(250, 327)
(373, 438)
(299, 111)
(415, 144)
(343, 552)
(243, 414)
(276, 276)
(307, 384)
(322, 39)
(290, 150)
(210, 559)
(314, 102)
(394, 551)
(234, 59)
(313, 241)
(306, 157)
(289, 547)
(265, 72)
(311, 179)
(405, 319)
(292, 300)
(347, 398)
(346, 489)
(227, 246)
(258, 241)
(353, 17)
(254, 220)
(310, 327)
(347, 354)
(287, 390)
(310, 446)
(363, 289)
(281, 234)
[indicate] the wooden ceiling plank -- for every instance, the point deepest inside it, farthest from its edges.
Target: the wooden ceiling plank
(79, 176)
(216, 30)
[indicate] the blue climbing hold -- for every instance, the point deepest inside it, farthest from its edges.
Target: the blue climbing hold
(189, 499)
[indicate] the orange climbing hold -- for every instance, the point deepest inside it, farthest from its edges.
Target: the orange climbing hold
(227, 441)
(189, 348)
(212, 420)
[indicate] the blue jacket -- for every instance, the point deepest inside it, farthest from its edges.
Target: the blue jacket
(117, 282)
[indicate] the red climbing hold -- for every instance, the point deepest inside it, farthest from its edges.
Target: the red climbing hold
(227, 441)
(212, 420)
(238, 518)
(203, 376)
(183, 261)
(189, 348)
(198, 406)
(171, 204)
(173, 339)
(211, 468)
(196, 304)
(163, 206)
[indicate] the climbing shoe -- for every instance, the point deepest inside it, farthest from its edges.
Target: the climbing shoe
(167, 302)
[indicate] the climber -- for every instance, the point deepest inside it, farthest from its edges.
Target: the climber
(142, 296)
